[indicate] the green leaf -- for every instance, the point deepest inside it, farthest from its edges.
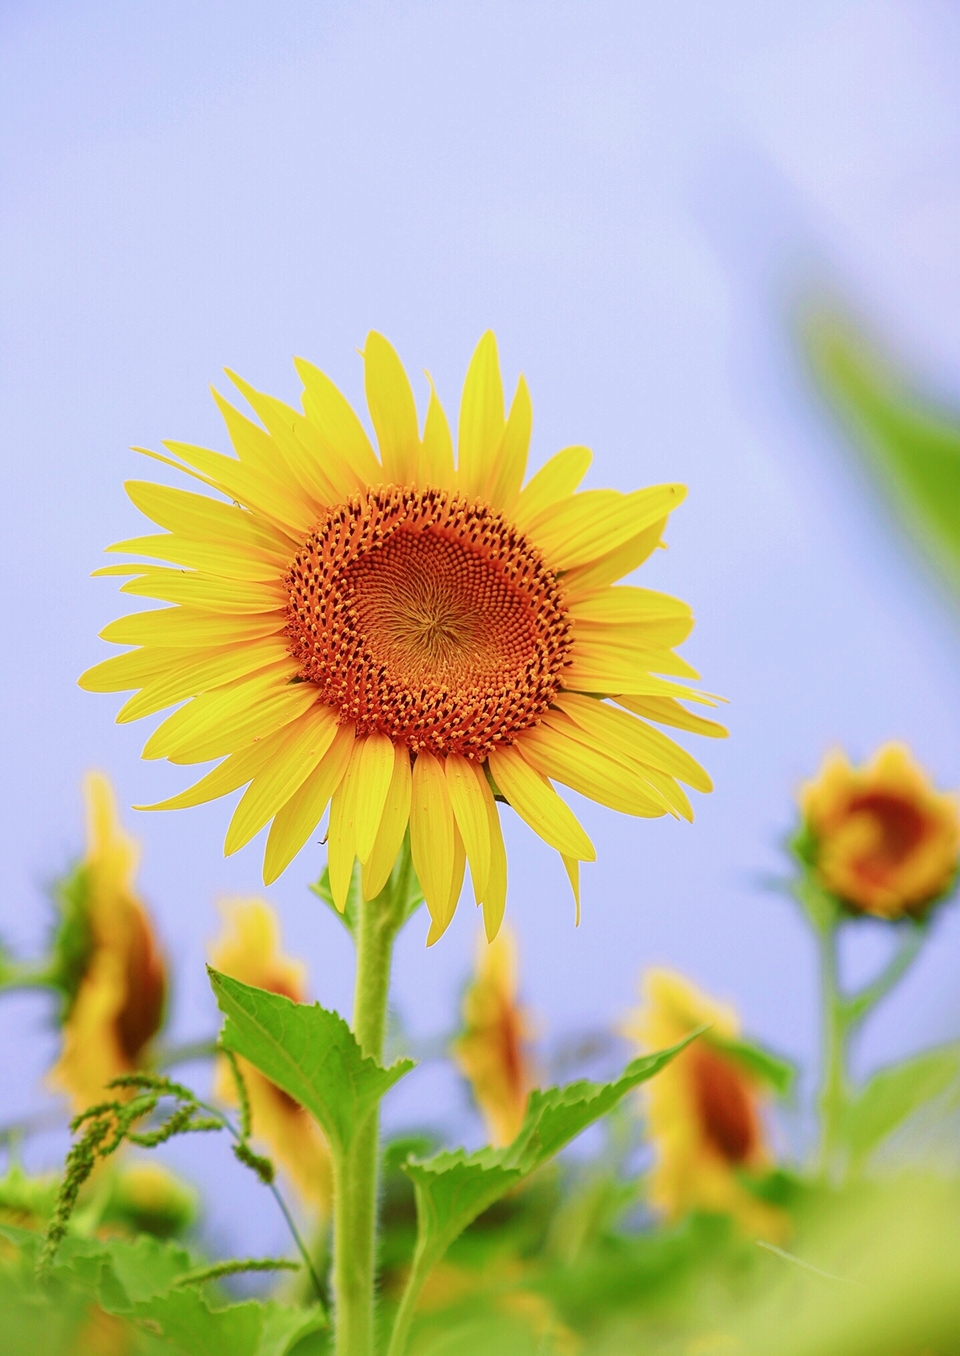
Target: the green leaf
(350, 918)
(897, 1092)
(187, 1322)
(777, 1073)
(452, 1189)
(308, 1052)
(911, 446)
(139, 1270)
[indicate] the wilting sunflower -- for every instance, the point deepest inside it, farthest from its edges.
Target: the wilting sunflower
(491, 1052)
(248, 949)
(405, 638)
(119, 984)
(703, 1109)
(880, 838)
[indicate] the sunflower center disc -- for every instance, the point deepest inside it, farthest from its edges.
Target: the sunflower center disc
(422, 616)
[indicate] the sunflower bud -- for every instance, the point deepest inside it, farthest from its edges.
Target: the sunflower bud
(108, 962)
(880, 838)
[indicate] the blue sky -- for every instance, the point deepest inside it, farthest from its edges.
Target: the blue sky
(634, 196)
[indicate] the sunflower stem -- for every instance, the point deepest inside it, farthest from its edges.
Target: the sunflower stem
(835, 1026)
(355, 1190)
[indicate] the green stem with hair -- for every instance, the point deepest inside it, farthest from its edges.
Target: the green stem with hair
(355, 1187)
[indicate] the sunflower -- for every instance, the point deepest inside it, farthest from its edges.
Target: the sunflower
(703, 1110)
(880, 838)
(491, 1052)
(120, 984)
(248, 949)
(404, 638)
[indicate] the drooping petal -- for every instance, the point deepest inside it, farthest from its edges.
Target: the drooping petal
(227, 714)
(536, 802)
(572, 867)
(465, 787)
(481, 418)
(392, 409)
(495, 896)
(432, 841)
(305, 742)
(228, 776)
(295, 821)
(342, 833)
(441, 921)
(197, 670)
(393, 825)
(373, 783)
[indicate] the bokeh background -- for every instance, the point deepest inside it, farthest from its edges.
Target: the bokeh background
(637, 198)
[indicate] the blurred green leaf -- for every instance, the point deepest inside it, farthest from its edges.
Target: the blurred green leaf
(308, 1052)
(897, 1092)
(912, 447)
(189, 1325)
(776, 1072)
(452, 1189)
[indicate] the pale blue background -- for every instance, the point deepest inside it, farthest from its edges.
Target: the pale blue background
(633, 195)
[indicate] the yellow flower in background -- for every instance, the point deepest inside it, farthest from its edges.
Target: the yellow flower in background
(880, 837)
(401, 637)
(703, 1109)
(118, 1004)
(491, 1052)
(248, 949)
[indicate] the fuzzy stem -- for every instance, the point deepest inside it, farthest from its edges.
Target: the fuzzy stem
(419, 1271)
(355, 1187)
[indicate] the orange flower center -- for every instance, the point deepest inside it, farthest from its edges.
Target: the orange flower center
(900, 829)
(727, 1117)
(427, 618)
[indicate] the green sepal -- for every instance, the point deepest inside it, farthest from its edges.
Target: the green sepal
(452, 1189)
(350, 918)
(895, 1093)
(308, 1052)
(72, 940)
(778, 1073)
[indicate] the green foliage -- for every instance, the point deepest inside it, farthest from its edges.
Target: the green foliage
(778, 1073)
(452, 1189)
(896, 1093)
(72, 938)
(911, 446)
(308, 1052)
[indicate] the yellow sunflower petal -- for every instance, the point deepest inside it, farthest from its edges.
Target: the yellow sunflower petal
(207, 520)
(556, 480)
(436, 454)
(215, 732)
(613, 729)
(215, 559)
(374, 778)
(196, 589)
(254, 447)
(280, 421)
(200, 670)
(334, 469)
(305, 742)
(465, 787)
(591, 524)
(667, 711)
(614, 565)
(180, 627)
(510, 465)
(621, 663)
(572, 868)
(536, 802)
(392, 409)
(121, 672)
(342, 830)
(295, 822)
(481, 418)
(228, 776)
(627, 605)
(393, 825)
(336, 422)
(432, 834)
(624, 674)
(593, 773)
(441, 921)
(662, 634)
(251, 487)
(229, 703)
(495, 896)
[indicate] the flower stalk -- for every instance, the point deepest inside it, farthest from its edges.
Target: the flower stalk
(355, 1189)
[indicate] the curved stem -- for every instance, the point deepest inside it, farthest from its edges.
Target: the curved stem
(833, 1087)
(859, 1005)
(419, 1271)
(355, 1188)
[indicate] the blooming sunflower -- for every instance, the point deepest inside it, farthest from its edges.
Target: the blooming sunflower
(703, 1109)
(491, 1052)
(404, 638)
(120, 987)
(248, 949)
(880, 838)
